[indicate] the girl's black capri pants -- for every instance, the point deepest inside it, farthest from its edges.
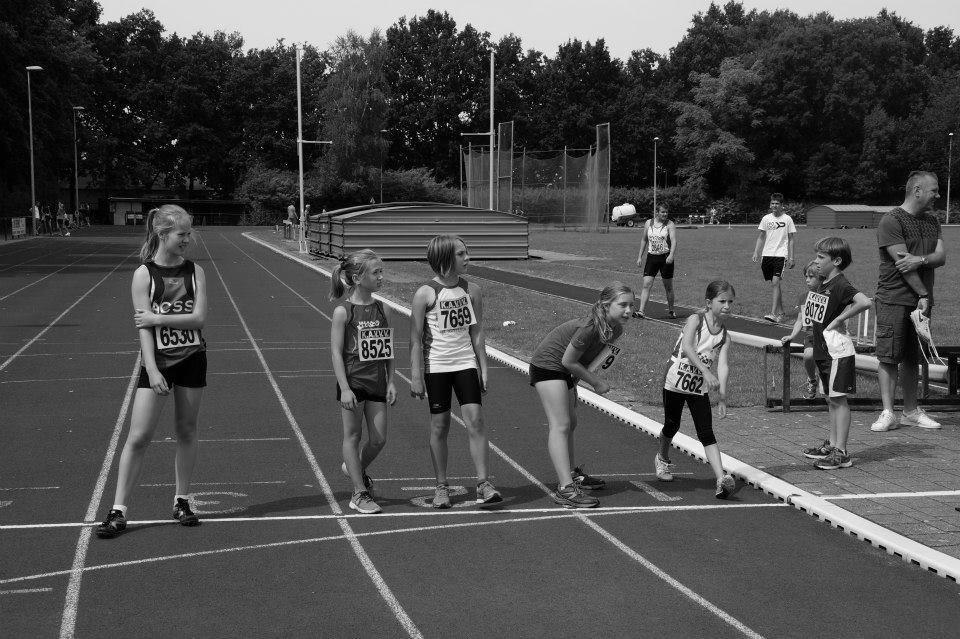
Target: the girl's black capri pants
(190, 373)
(538, 374)
(465, 383)
(699, 409)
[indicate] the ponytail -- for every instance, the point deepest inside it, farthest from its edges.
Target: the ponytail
(351, 266)
(161, 221)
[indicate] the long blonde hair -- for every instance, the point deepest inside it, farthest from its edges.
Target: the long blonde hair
(600, 308)
(161, 221)
(352, 266)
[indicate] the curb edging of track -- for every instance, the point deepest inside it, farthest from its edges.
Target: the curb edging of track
(859, 527)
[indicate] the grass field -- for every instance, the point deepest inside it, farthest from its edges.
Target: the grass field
(716, 252)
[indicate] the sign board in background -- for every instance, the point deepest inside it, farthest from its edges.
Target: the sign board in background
(19, 227)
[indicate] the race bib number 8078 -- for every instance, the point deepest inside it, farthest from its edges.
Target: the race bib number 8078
(815, 308)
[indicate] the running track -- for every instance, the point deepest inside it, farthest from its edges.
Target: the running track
(280, 554)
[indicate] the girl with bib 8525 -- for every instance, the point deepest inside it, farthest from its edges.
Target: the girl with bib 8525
(362, 351)
(170, 301)
(448, 355)
(689, 377)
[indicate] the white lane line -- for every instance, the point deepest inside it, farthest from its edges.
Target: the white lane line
(217, 483)
(724, 616)
(927, 493)
(60, 316)
(25, 591)
(68, 621)
(23, 288)
(303, 373)
(32, 488)
(553, 515)
(227, 440)
(479, 512)
(385, 592)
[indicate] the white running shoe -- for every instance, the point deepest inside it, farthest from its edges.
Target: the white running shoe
(663, 468)
(919, 419)
(885, 422)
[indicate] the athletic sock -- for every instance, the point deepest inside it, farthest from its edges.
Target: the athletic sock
(121, 508)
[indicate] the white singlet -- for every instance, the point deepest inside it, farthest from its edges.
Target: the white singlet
(684, 377)
(658, 239)
(447, 346)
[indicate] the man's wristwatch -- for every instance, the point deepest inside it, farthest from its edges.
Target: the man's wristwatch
(923, 260)
(925, 295)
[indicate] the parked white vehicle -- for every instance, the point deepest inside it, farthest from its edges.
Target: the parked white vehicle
(624, 215)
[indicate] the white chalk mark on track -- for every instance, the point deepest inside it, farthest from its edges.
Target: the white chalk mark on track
(928, 493)
(402, 617)
(68, 621)
(25, 591)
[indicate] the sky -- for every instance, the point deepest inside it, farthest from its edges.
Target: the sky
(544, 25)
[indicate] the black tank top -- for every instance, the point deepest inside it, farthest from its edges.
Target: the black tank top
(173, 292)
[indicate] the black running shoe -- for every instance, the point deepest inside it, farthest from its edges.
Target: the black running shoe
(585, 481)
(570, 496)
(183, 514)
(113, 525)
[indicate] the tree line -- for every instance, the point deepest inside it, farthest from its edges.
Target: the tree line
(746, 103)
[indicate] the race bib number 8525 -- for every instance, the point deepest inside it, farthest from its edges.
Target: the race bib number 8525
(374, 344)
(167, 337)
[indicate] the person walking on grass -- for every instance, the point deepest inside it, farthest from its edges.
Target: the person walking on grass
(575, 350)
(804, 324)
(170, 308)
(659, 239)
(448, 355)
(702, 342)
(834, 302)
(361, 348)
(911, 248)
(774, 250)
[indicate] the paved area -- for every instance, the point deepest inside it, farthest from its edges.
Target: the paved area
(907, 480)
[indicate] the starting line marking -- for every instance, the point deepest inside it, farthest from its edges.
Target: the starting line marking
(653, 492)
(482, 512)
(562, 514)
(25, 591)
(32, 488)
(171, 440)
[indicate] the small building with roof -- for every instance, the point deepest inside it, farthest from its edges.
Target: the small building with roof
(846, 216)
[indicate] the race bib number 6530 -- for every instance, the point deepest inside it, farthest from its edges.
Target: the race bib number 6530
(167, 337)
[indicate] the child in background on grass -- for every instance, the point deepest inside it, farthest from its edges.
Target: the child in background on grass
(174, 359)
(361, 347)
(804, 324)
(448, 355)
(577, 350)
(689, 377)
(833, 303)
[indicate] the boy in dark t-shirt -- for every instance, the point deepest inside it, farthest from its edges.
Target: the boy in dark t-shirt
(828, 308)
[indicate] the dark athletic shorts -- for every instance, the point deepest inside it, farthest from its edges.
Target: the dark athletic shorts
(538, 374)
(465, 383)
(363, 396)
(658, 264)
(190, 373)
(896, 335)
(772, 267)
(838, 377)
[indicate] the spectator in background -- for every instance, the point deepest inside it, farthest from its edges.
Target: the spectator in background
(35, 215)
(292, 217)
(911, 247)
(776, 243)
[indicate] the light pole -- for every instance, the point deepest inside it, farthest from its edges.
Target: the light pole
(303, 247)
(949, 174)
(33, 191)
(655, 140)
(76, 181)
(382, 131)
